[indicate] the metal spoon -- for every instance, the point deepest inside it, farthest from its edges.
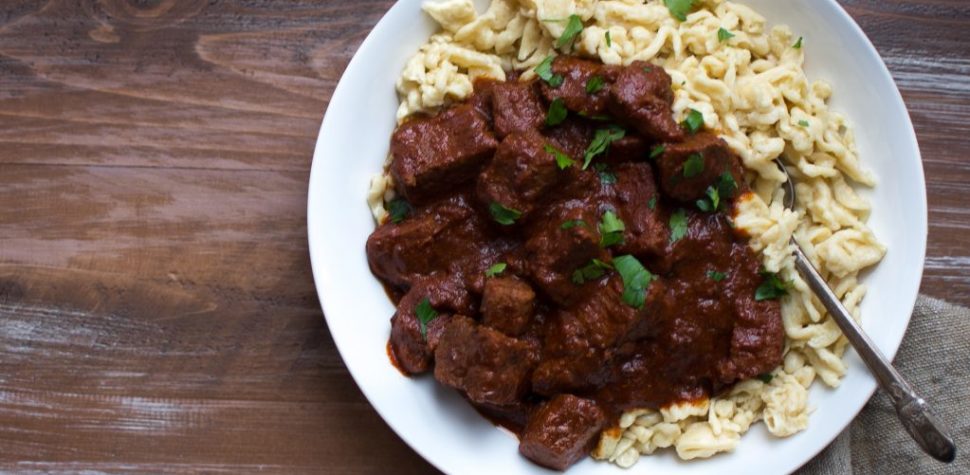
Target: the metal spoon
(912, 410)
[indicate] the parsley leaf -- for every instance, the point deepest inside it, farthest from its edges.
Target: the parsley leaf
(712, 202)
(772, 288)
(398, 209)
(572, 223)
(726, 186)
(606, 176)
(426, 313)
(766, 377)
(557, 112)
(652, 204)
(611, 229)
(679, 8)
(716, 276)
(562, 160)
(502, 215)
(694, 121)
(724, 35)
(609, 41)
(694, 165)
(804, 123)
(496, 269)
(592, 271)
(657, 151)
(678, 225)
(573, 28)
(544, 71)
(601, 142)
(636, 280)
(798, 44)
(594, 84)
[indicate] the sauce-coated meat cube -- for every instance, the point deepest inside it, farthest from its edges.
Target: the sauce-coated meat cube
(413, 348)
(520, 174)
(562, 431)
(516, 108)
(579, 91)
(688, 168)
(641, 99)
(508, 305)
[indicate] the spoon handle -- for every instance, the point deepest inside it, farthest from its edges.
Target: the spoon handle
(913, 411)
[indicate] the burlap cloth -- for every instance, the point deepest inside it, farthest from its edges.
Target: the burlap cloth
(935, 359)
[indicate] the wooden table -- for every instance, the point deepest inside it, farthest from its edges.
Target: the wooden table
(157, 311)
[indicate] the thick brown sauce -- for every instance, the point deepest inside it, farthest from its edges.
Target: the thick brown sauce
(700, 329)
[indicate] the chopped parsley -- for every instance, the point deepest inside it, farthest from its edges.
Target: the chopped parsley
(726, 186)
(544, 71)
(592, 271)
(562, 160)
(678, 225)
(398, 209)
(502, 215)
(609, 41)
(803, 123)
(426, 313)
(657, 151)
(723, 189)
(611, 229)
(716, 276)
(594, 84)
(766, 377)
(652, 204)
(601, 142)
(724, 35)
(557, 112)
(606, 176)
(711, 202)
(679, 8)
(636, 280)
(694, 121)
(798, 44)
(496, 269)
(772, 288)
(694, 165)
(573, 223)
(573, 28)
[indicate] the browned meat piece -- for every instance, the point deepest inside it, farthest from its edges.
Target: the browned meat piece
(562, 431)
(508, 305)
(481, 100)
(516, 108)
(445, 236)
(520, 174)
(711, 158)
(572, 137)
(641, 99)
(433, 155)
(412, 348)
(630, 148)
(577, 74)
(489, 367)
(635, 198)
(554, 254)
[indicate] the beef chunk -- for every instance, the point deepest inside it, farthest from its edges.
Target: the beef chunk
(508, 305)
(412, 348)
(572, 137)
(641, 99)
(562, 431)
(448, 235)
(521, 172)
(489, 367)
(646, 231)
(554, 254)
(628, 149)
(516, 108)
(432, 155)
(576, 74)
(714, 156)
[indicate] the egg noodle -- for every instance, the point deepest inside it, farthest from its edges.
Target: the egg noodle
(747, 81)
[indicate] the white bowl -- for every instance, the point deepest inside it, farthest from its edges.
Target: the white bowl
(435, 421)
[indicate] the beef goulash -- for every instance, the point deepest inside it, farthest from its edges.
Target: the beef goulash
(561, 250)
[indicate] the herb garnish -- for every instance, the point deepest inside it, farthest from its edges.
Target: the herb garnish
(611, 229)
(557, 112)
(572, 223)
(798, 44)
(544, 71)
(609, 41)
(496, 269)
(678, 225)
(594, 270)
(636, 280)
(772, 288)
(573, 28)
(426, 313)
(716, 276)
(712, 202)
(679, 8)
(398, 209)
(766, 377)
(502, 215)
(694, 165)
(724, 35)
(601, 142)
(606, 176)
(594, 84)
(657, 151)
(652, 204)
(694, 121)
(803, 123)
(562, 160)
(723, 189)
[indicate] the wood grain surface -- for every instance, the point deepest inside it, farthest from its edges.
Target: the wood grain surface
(157, 311)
